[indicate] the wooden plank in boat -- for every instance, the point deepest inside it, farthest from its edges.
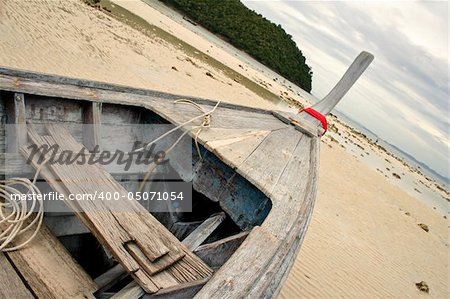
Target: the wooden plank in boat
(237, 150)
(213, 134)
(202, 232)
(243, 267)
(110, 277)
(182, 229)
(85, 180)
(183, 291)
(16, 131)
(215, 254)
(292, 222)
(11, 286)
(50, 270)
(226, 118)
(294, 183)
(76, 89)
(92, 115)
(266, 163)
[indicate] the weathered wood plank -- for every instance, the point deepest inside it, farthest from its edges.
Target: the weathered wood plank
(182, 229)
(92, 125)
(293, 222)
(294, 184)
(110, 277)
(130, 291)
(184, 291)
(240, 199)
(224, 118)
(11, 286)
(50, 270)
(236, 151)
(243, 267)
(352, 74)
(133, 290)
(215, 254)
(202, 232)
(266, 163)
(303, 127)
(16, 135)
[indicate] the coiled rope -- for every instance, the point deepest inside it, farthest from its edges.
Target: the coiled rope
(14, 214)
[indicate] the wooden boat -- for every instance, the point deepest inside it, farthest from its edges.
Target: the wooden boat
(254, 182)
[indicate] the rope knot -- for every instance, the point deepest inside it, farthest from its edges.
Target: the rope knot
(207, 121)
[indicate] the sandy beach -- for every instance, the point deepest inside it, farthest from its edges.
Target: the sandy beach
(364, 239)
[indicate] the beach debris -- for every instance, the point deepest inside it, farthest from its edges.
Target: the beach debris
(424, 227)
(396, 175)
(188, 59)
(209, 74)
(174, 68)
(417, 190)
(445, 217)
(407, 213)
(423, 287)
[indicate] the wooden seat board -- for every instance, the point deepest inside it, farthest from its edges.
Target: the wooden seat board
(49, 269)
(11, 286)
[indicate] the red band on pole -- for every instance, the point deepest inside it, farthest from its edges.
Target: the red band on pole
(319, 116)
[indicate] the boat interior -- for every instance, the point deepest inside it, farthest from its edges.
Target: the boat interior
(223, 201)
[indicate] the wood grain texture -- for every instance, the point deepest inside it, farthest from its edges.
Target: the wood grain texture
(327, 104)
(11, 286)
(16, 130)
(50, 270)
(215, 254)
(110, 277)
(266, 163)
(203, 231)
(92, 125)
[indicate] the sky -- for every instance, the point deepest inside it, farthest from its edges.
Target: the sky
(403, 96)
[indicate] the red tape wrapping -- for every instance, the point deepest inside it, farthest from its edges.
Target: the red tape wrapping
(319, 116)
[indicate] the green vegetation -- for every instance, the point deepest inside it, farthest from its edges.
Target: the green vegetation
(251, 32)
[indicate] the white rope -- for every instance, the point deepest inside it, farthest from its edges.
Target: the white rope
(14, 213)
(206, 123)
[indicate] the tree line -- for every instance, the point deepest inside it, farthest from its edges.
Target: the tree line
(249, 31)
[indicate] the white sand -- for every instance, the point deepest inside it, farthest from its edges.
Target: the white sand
(360, 242)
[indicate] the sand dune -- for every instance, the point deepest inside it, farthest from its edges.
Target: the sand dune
(361, 242)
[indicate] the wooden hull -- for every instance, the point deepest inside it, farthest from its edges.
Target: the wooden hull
(267, 168)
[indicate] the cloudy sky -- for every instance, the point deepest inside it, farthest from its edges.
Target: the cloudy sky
(403, 96)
